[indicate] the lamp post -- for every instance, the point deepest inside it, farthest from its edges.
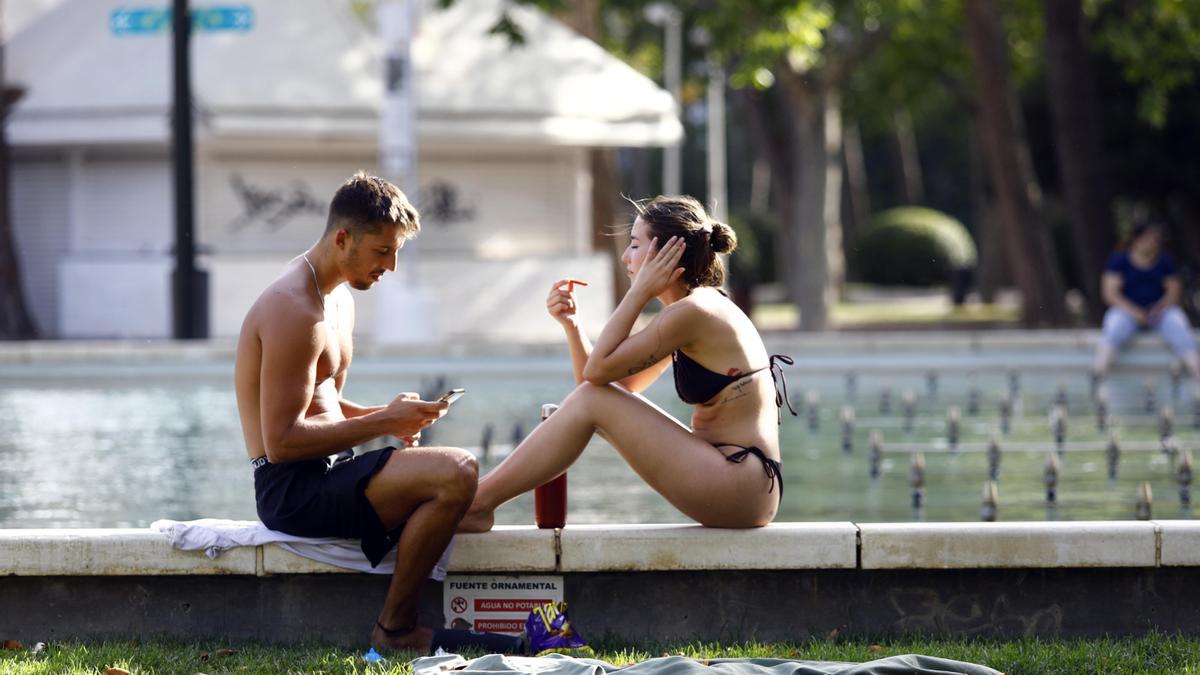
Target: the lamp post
(189, 285)
(718, 196)
(398, 113)
(671, 20)
(718, 200)
(406, 312)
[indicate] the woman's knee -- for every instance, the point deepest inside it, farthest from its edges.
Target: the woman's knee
(1118, 327)
(587, 394)
(1175, 329)
(1175, 318)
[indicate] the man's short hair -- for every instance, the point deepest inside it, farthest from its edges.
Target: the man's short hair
(365, 203)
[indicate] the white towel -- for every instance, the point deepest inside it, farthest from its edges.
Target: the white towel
(215, 536)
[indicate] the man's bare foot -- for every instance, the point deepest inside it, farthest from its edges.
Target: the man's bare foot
(477, 521)
(415, 639)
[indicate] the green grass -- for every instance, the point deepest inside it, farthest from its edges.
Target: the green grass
(1155, 653)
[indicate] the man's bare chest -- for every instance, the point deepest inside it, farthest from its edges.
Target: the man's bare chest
(335, 357)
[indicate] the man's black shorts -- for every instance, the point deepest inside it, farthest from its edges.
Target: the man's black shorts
(313, 499)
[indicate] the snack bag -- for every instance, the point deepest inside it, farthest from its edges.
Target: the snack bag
(548, 628)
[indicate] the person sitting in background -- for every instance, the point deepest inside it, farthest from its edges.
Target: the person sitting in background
(1142, 290)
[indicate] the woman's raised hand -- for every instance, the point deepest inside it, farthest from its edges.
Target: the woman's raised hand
(560, 303)
(660, 268)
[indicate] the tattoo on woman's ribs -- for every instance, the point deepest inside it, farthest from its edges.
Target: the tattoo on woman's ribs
(737, 390)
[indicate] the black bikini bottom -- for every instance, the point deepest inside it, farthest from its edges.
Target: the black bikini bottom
(773, 468)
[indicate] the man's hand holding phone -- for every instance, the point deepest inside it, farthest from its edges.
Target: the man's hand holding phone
(408, 415)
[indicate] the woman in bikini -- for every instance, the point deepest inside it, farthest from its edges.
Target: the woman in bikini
(720, 366)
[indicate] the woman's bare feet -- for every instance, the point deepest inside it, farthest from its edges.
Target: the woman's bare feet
(477, 520)
(416, 639)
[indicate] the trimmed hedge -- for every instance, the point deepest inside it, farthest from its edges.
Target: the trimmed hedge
(913, 246)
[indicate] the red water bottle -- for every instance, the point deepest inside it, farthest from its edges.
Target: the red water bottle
(550, 498)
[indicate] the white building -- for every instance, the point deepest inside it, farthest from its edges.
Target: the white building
(285, 111)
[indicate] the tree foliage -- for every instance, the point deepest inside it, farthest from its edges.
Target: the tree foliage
(1155, 42)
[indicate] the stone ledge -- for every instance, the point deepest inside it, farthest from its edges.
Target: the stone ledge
(1179, 543)
(507, 548)
(222, 349)
(1016, 544)
(645, 548)
(111, 552)
(648, 548)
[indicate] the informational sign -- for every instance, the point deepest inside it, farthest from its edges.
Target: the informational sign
(496, 604)
(149, 20)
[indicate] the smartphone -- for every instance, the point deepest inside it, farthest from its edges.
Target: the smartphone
(451, 396)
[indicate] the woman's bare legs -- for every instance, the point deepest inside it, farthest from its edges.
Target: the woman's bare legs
(687, 470)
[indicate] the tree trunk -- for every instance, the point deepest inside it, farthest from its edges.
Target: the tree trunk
(1075, 109)
(583, 16)
(857, 192)
(760, 184)
(771, 138)
(814, 262)
(604, 215)
(1013, 186)
(835, 254)
(990, 266)
(1183, 214)
(909, 158)
(15, 320)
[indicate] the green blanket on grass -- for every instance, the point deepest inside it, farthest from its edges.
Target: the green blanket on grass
(559, 664)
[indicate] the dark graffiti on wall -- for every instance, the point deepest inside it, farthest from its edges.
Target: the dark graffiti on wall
(272, 208)
(440, 203)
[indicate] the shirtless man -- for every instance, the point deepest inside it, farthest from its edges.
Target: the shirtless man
(292, 359)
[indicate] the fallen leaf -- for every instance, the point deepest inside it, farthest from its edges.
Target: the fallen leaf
(12, 645)
(225, 652)
(874, 648)
(116, 671)
(831, 635)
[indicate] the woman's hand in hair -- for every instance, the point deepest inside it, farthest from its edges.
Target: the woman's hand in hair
(560, 303)
(660, 269)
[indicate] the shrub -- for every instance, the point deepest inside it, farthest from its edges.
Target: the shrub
(913, 246)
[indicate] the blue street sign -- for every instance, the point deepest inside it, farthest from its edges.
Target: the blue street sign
(237, 17)
(150, 20)
(139, 21)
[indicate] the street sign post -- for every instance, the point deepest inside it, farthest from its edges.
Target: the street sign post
(189, 284)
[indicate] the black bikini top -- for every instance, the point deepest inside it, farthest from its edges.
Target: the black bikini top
(696, 384)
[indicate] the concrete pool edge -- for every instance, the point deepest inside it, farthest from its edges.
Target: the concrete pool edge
(788, 581)
(653, 548)
(135, 349)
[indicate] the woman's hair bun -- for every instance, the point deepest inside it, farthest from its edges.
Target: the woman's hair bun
(722, 239)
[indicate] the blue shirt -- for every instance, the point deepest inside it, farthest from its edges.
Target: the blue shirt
(1143, 287)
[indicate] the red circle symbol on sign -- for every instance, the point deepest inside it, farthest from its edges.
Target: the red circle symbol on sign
(458, 604)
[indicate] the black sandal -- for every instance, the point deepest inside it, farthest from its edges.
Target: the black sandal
(395, 632)
(491, 643)
(450, 640)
